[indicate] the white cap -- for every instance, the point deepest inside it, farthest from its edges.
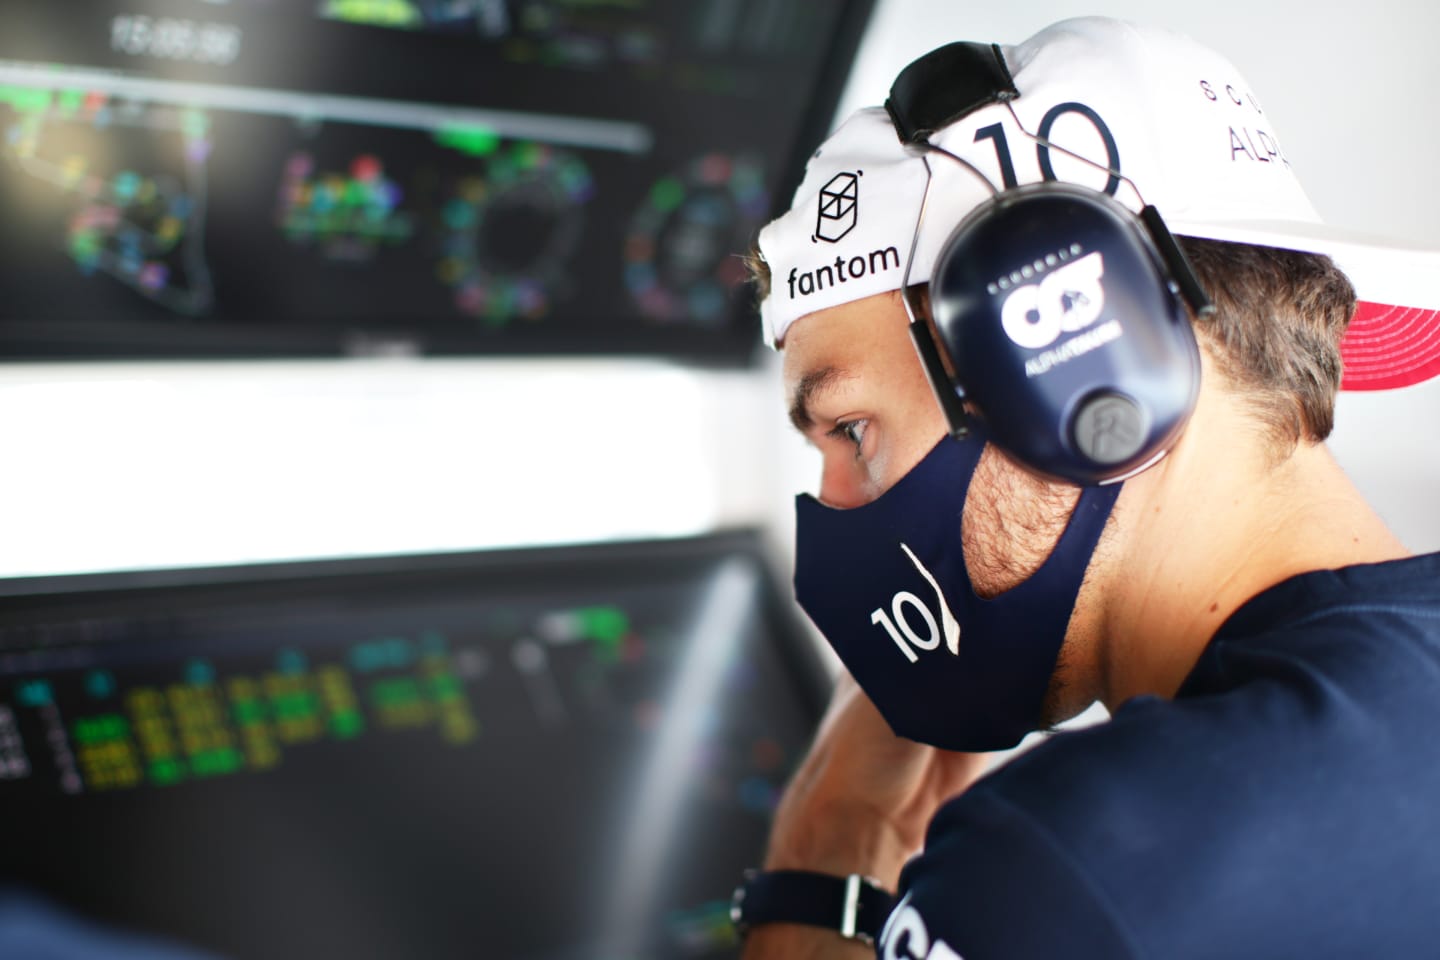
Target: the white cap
(1174, 118)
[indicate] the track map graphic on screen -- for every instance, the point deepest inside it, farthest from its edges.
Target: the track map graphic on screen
(191, 178)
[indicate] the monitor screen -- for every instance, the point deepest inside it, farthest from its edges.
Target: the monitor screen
(190, 178)
(560, 753)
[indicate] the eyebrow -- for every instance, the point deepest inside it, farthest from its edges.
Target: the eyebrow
(813, 382)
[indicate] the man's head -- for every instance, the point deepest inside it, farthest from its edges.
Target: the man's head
(858, 395)
(1155, 119)
(1274, 340)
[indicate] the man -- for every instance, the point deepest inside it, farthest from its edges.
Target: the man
(1269, 783)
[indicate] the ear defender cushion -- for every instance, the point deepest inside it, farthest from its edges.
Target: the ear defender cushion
(1066, 333)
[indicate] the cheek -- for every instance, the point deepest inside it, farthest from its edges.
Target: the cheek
(848, 481)
(876, 471)
(843, 482)
(916, 424)
(904, 446)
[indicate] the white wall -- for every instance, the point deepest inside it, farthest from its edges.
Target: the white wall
(1348, 85)
(112, 466)
(120, 466)
(127, 465)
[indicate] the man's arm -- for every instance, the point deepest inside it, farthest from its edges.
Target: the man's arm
(859, 803)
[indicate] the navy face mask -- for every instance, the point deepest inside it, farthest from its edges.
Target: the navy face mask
(886, 584)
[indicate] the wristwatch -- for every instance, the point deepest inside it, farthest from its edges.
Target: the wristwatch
(855, 907)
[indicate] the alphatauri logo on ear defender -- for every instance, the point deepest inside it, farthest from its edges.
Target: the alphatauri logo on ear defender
(1067, 298)
(839, 206)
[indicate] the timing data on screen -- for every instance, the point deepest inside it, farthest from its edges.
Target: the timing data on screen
(357, 768)
(459, 176)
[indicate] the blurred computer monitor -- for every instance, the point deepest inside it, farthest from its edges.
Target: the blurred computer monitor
(237, 178)
(551, 753)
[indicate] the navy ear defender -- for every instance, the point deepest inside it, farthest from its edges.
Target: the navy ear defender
(1061, 323)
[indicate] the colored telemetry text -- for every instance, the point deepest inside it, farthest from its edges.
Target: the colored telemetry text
(130, 724)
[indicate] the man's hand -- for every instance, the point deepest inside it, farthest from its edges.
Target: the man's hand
(862, 799)
(859, 803)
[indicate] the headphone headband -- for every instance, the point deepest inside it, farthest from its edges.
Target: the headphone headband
(1056, 313)
(945, 85)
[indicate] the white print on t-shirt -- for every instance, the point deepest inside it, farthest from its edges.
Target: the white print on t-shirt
(905, 930)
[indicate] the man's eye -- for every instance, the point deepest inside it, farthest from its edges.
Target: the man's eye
(854, 431)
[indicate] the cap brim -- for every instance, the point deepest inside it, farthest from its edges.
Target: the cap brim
(1394, 338)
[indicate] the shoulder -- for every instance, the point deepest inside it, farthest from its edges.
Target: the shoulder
(1365, 637)
(1281, 804)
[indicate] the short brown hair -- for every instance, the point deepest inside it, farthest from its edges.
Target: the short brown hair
(759, 272)
(1275, 333)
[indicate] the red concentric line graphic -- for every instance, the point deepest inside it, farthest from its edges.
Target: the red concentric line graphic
(1387, 347)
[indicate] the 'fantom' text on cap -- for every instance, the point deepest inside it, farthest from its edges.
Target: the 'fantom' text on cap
(842, 270)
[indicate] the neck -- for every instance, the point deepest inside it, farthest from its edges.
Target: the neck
(1215, 523)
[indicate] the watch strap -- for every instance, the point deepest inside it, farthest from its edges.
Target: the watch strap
(854, 906)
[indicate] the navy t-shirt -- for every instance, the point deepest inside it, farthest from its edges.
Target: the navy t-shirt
(1285, 804)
